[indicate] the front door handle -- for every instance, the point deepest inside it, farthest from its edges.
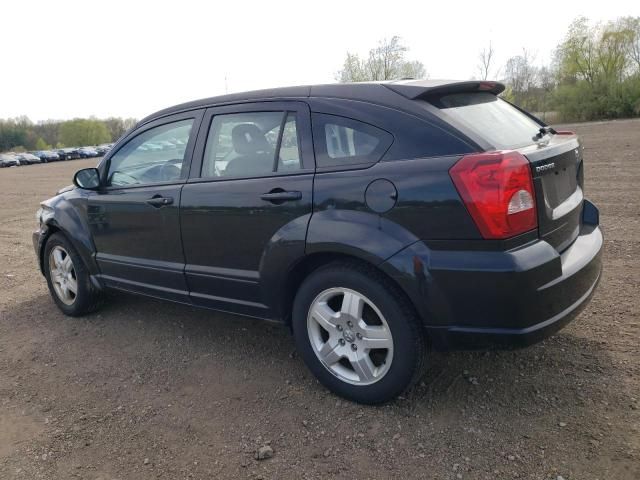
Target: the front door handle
(281, 196)
(158, 201)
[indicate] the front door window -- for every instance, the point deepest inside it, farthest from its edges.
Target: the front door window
(154, 156)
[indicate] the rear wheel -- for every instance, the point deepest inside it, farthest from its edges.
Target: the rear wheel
(357, 333)
(68, 278)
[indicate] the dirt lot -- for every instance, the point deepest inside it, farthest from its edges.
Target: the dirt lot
(145, 389)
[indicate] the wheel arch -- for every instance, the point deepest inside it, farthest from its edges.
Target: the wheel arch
(81, 242)
(50, 230)
(312, 262)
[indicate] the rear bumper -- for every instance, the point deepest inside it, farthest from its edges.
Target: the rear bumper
(479, 299)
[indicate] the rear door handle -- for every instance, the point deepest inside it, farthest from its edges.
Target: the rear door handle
(158, 201)
(281, 196)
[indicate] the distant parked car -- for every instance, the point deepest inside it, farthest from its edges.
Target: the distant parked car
(8, 160)
(68, 153)
(87, 152)
(40, 154)
(150, 147)
(27, 159)
(167, 145)
(103, 149)
(47, 156)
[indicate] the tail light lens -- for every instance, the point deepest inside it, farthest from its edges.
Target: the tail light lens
(497, 189)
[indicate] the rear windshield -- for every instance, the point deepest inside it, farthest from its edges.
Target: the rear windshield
(489, 117)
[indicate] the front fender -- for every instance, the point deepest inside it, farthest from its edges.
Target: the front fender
(67, 213)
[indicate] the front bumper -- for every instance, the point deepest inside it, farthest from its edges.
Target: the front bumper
(38, 238)
(478, 299)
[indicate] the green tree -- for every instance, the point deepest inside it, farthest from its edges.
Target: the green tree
(48, 130)
(612, 52)
(632, 25)
(84, 132)
(600, 53)
(385, 62)
(576, 55)
(42, 145)
(11, 134)
(598, 70)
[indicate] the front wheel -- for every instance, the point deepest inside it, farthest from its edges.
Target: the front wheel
(68, 278)
(357, 333)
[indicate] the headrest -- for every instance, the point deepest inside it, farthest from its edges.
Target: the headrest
(248, 139)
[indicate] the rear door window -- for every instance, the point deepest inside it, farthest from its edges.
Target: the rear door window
(489, 117)
(341, 141)
(251, 144)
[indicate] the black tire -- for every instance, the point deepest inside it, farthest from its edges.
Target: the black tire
(409, 343)
(88, 298)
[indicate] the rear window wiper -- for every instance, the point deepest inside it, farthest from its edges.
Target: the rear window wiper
(542, 132)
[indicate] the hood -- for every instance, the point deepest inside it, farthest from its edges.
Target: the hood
(65, 189)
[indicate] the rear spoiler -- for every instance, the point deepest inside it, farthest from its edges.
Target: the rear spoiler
(421, 89)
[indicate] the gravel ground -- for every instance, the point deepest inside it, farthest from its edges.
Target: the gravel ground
(145, 389)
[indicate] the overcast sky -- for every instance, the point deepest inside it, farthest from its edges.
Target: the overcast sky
(63, 59)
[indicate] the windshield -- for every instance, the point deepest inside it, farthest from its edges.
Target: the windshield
(491, 118)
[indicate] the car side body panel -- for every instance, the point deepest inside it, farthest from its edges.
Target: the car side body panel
(235, 243)
(138, 246)
(238, 244)
(138, 241)
(373, 211)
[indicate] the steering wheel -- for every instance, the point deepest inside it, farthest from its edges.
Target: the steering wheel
(122, 181)
(169, 171)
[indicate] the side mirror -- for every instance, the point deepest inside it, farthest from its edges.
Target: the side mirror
(87, 178)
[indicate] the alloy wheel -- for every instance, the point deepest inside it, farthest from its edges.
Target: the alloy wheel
(350, 336)
(63, 275)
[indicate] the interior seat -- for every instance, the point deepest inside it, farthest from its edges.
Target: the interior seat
(256, 155)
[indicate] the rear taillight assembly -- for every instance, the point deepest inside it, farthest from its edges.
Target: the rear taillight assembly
(497, 189)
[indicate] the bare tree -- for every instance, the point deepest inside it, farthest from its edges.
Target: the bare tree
(385, 62)
(485, 58)
(546, 81)
(352, 70)
(520, 73)
(413, 69)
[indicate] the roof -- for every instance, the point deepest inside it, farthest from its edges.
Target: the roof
(374, 92)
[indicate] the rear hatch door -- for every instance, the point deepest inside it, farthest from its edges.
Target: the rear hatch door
(556, 159)
(557, 170)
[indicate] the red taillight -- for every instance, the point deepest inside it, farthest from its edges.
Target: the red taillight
(565, 132)
(497, 189)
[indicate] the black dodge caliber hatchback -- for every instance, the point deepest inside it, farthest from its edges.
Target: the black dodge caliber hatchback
(376, 220)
